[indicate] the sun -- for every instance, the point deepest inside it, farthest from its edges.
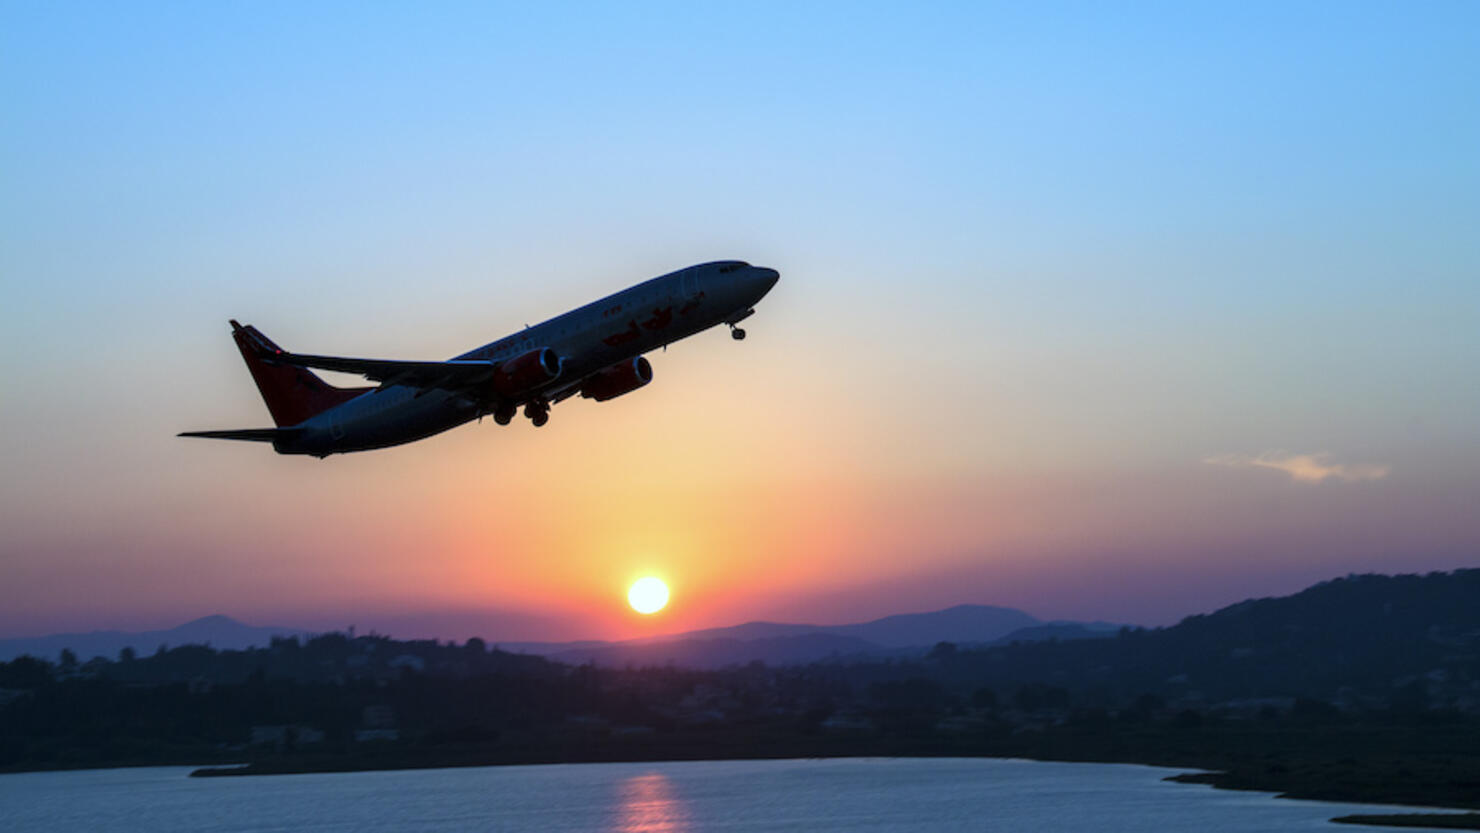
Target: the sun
(647, 595)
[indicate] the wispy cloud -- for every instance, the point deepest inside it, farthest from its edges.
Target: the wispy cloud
(1302, 468)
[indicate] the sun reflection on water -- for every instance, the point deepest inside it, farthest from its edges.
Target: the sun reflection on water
(649, 804)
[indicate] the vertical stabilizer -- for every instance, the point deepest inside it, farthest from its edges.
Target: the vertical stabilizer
(292, 394)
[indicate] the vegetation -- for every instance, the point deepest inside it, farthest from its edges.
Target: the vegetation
(1446, 821)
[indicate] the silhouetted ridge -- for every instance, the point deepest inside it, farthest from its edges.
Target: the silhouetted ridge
(216, 630)
(1354, 640)
(1362, 685)
(901, 635)
(214, 620)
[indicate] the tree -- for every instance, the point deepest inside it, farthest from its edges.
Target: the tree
(984, 698)
(1035, 696)
(126, 654)
(1311, 710)
(1410, 698)
(915, 694)
(942, 651)
(25, 672)
(69, 660)
(1188, 719)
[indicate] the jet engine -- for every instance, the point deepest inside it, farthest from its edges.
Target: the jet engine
(526, 371)
(617, 380)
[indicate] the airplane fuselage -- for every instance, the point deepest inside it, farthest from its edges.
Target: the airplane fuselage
(587, 340)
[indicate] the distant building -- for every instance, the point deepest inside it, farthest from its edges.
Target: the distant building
(847, 722)
(957, 724)
(269, 736)
(702, 717)
(378, 717)
(412, 661)
(379, 724)
(587, 721)
(1251, 707)
(285, 736)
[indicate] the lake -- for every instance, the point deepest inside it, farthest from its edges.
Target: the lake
(863, 794)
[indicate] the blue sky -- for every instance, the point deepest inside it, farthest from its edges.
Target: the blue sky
(1060, 250)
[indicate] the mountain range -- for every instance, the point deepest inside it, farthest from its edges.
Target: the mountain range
(903, 635)
(220, 632)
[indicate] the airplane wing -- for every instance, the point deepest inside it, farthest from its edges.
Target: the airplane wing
(563, 393)
(451, 375)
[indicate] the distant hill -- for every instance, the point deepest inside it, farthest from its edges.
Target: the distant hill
(794, 649)
(903, 635)
(221, 632)
(1365, 642)
(775, 643)
(962, 623)
(1404, 638)
(1379, 637)
(1061, 631)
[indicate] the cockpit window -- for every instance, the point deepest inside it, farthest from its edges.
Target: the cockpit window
(733, 265)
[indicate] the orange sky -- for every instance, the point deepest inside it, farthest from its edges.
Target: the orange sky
(1101, 318)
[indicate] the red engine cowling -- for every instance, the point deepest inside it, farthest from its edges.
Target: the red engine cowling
(528, 370)
(617, 380)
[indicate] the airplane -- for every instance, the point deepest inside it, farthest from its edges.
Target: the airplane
(595, 351)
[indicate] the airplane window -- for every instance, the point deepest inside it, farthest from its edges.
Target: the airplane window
(730, 267)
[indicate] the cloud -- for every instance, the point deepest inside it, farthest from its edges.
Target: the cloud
(1302, 468)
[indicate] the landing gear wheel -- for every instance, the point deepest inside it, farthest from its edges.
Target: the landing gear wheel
(540, 419)
(737, 334)
(504, 416)
(538, 413)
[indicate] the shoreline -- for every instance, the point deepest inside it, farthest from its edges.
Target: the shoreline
(1446, 821)
(1435, 818)
(1419, 767)
(1323, 779)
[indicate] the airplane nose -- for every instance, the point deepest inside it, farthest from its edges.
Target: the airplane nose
(766, 276)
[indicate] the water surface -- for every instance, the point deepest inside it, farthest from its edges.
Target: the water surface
(880, 795)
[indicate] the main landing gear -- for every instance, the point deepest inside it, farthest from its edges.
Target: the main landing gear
(537, 411)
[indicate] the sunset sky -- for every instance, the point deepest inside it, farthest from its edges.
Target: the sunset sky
(1102, 313)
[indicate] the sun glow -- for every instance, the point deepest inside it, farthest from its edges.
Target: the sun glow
(647, 595)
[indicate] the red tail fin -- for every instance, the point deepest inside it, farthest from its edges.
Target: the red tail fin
(292, 394)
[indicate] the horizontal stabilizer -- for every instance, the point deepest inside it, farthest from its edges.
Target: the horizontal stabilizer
(256, 435)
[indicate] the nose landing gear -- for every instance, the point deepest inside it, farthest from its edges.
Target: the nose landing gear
(735, 332)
